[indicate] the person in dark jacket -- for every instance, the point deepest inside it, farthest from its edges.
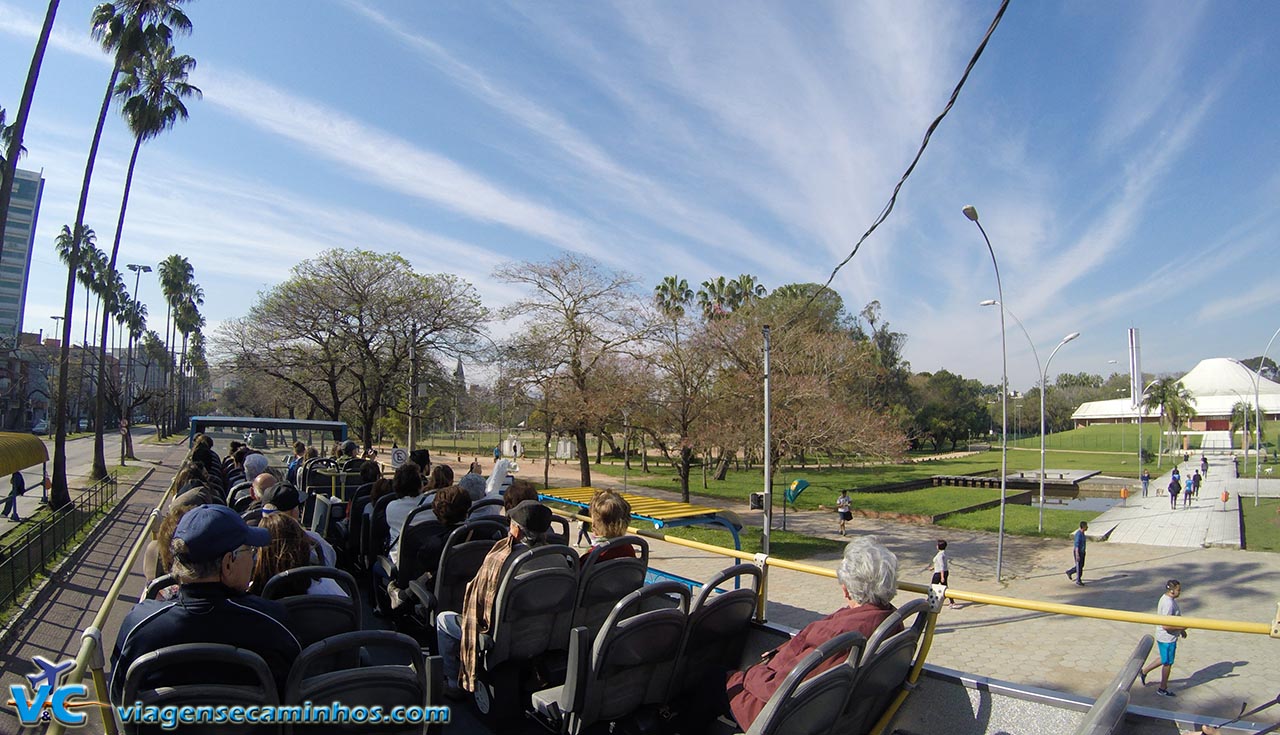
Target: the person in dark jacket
(17, 488)
(213, 560)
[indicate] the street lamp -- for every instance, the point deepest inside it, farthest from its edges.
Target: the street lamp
(972, 213)
(138, 269)
(1257, 417)
(1044, 386)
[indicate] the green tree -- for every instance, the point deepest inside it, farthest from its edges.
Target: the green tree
(1173, 401)
(672, 296)
(1241, 418)
(176, 278)
(153, 87)
(13, 134)
(72, 247)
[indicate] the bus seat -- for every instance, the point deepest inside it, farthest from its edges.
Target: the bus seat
(604, 581)
(627, 667)
(886, 660)
(460, 560)
(485, 507)
(236, 677)
(718, 627)
(154, 587)
(313, 618)
(811, 707)
(386, 684)
(529, 626)
(559, 531)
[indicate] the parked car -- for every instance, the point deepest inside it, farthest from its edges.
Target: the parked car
(40, 427)
(256, 440)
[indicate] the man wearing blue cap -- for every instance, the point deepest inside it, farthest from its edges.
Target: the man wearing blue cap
(213, 557)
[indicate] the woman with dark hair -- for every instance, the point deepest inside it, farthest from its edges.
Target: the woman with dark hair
(290, 548)
(441, 477)
(520, 491)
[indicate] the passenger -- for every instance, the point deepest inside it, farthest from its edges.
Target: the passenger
(408, 486)
(610, 513)
(157, 560)
(517, 493)
(286, 499)
(868, 575)
(422, 458)
(255, 464)
(290, 548)
(299, 455)
(381, 487)
(473, 483)
(213, 553)
(441, 476)
(261, 484)
(459, 632)
(312, 453)
(450, 506)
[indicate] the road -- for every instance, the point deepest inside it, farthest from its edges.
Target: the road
(79, 464)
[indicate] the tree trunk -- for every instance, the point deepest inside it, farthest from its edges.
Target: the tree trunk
(599, 446)
(20, 119)
(644, 453)
(584, 460)
(99, 452)
(686, 460)
(722, 470)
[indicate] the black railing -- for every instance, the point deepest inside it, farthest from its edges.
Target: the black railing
(28, 554)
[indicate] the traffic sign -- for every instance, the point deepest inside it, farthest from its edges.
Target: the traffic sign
(399, 456)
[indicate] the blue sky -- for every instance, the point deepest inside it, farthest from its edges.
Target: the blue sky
(1123, 157)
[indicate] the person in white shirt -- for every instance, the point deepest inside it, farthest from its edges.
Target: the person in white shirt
(407, 484)
(844, 509)
(1166, 638)
(941, 566)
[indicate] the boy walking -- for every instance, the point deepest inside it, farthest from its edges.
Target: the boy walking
(1077, 572)
(941, 566)
(1166, 638)
(844, 509)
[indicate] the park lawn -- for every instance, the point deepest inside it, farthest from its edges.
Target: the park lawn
(826, 483)
(1122, 438)
(1262, 524)
(1021, 520)
(785, 544)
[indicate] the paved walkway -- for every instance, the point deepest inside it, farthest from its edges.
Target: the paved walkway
(53, 621)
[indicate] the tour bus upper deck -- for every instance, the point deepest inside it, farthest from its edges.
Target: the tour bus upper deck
(946, 699)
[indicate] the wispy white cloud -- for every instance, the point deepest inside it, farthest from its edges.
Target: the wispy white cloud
(16, 21)
(1262, 295)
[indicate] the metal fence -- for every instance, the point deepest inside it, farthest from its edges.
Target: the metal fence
(24, 557)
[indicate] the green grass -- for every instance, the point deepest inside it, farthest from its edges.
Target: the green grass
(1262, 524)
(786, 544)
(1021, 520)
(826, 483)
(925, 501)
(1122, 438)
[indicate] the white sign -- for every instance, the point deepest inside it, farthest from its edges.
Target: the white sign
(399, 456)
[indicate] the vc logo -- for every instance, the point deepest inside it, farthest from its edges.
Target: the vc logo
(48, 698)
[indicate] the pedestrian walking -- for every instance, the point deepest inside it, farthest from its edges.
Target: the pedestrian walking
(584, 530)
(1076, 572)
(1146, 481)
(1166, 638)
(1174, 489)
(1177, 476)
(941, 566)
(1186, 492)
(17, 488)
(844, 509)
(1204, 465)
(1196, 479)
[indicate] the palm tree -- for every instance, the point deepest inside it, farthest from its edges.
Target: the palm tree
(72, 246)
(1172, 400)
(187, 319)
(175, 273)
(13, 135)
(1241, 415)
(672, 295)
(714, 297)
(154, 86)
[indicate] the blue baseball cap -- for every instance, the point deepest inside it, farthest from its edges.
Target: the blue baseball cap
(210, 531)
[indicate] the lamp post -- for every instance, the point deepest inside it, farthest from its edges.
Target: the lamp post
(972, 214)
(57, 322)
(1257, 417)
(1044, 386)
(138, 269)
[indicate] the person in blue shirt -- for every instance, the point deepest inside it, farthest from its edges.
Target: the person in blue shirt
(1076, 572)
(1146, 481)
(1186, 492)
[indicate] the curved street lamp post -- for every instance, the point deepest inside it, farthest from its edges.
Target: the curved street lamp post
(972, 214)
(1044, 386)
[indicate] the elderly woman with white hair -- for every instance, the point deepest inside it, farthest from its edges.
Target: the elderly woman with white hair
(868, 575)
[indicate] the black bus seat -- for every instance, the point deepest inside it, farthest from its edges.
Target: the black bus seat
(387, 685)
(809, 706)
(155, 586)
(627, 667)
(718, 628)
(529, 625)
(602, 582)
(460, 560)
(313, 618)
(886, 661)
(236, 677)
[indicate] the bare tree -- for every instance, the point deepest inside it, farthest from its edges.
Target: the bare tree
(591, 314)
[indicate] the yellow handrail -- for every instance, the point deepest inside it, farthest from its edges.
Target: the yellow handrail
(91, 655)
